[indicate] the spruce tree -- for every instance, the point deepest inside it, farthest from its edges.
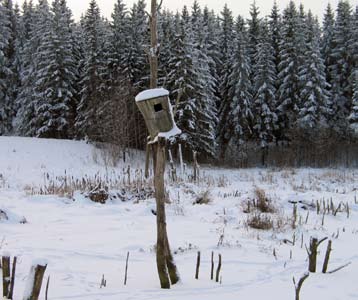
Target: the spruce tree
(314, 96)
(240, 118)
(58, 71)
(6, 72)
(341, 67)
(205, 83)
(327, 41)
(226, 42)
(87, 120)
(275, 33)
(36, 23)
(289, 83)
(182, 81)
(353, 117)
(254, 28)
(265, 77)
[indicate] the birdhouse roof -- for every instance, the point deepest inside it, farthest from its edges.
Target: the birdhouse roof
(150, 94)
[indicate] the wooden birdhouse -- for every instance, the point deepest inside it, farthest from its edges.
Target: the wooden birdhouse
(157, 112)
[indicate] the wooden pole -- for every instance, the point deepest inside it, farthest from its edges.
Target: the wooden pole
(161, 218)
(172, 268)
(197, 266)
(5, 276)
(212, 266)
(181, 162)
(126, 272)
(326, 258)
(195, 175)
(33, 289)
(147, 158)
(153, 53)
(12, 282)
(167, 270)
(218, 269)
(312, 253)
(47, 287)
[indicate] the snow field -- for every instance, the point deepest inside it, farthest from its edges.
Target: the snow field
(81, 240)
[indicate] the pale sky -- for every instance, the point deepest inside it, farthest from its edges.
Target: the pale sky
(241, 7)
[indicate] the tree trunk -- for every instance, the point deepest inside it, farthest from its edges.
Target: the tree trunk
(172, 268)
(161, 218)
(153, 53)
(165, 261)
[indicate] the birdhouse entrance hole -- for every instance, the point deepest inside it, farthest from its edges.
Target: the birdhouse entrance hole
(158, 107)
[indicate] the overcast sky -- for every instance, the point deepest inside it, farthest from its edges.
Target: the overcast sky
(241, 7)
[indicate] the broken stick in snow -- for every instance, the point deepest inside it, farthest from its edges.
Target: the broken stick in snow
(326, 258)
(218, 269)
(197, 266)
(126, 272)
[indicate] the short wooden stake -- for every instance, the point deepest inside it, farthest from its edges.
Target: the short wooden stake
(34, 282)
(326, 258)
(5, 276)
(181, 161)
(212, 266)
(218, 269)
(47, 287)
(312, 253)
(12, 282)
(197, 266)
(126, 271)
(195, 175)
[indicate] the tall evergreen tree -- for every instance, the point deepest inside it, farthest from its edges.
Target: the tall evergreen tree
(314, 96)
(57, 75)
(205, 110)
(87, 120)
(241, 107)
(289, 83)
(226, 41)
(254, 24)
(327, 41)
(37, 25)
(353, 117)
(341, 67)
(265, 77)
(7, 52)
(275, 33)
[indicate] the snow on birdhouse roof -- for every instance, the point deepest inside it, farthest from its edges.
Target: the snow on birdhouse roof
(150, 94)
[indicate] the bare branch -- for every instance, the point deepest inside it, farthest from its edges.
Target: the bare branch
(339, 268)
(308, 252)
(299, 284)
(321, 241)
(180, 93)
(149, 15)
(159, 5)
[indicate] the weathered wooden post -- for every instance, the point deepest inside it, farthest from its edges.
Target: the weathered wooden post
(5, 275)
(158, 115)
(34, 281)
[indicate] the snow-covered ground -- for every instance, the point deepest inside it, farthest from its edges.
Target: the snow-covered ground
(83, 240)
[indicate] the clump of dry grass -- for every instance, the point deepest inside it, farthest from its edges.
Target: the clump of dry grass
(262, 202)
(260, 221)
(129, 180)
(203, 198)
